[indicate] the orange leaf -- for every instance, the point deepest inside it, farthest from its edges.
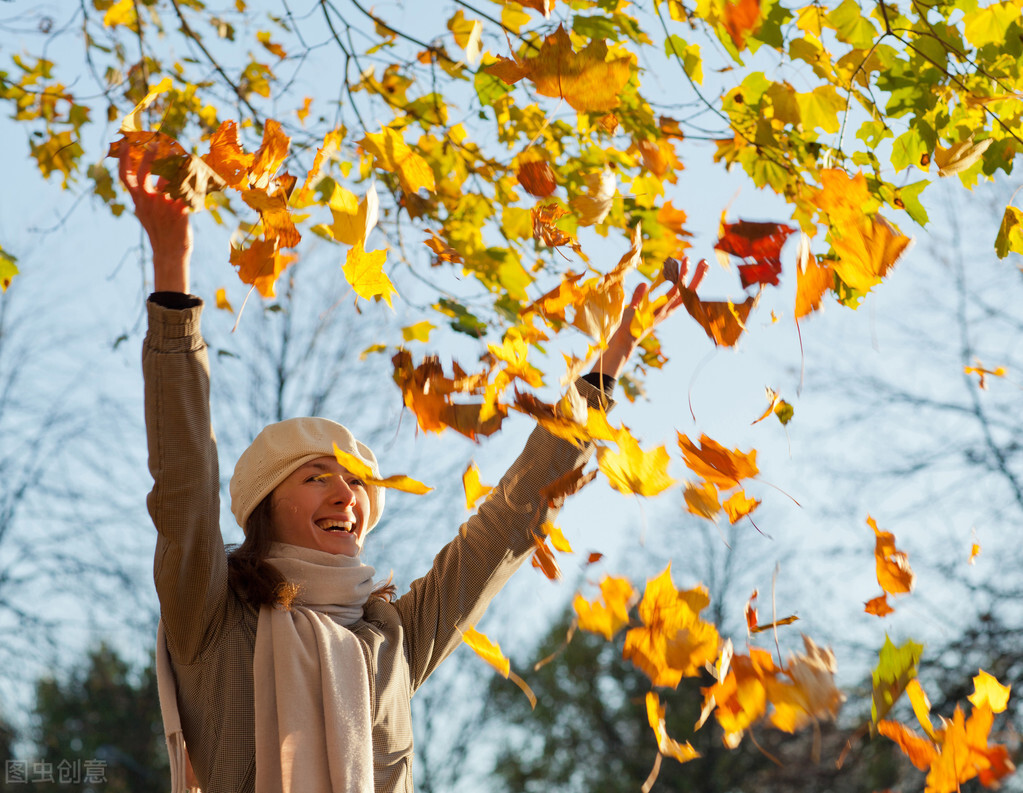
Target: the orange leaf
(487, 650)
(474, 489)
(878, 606)
(741, 696)
(566, 485)
(269, 156)
(723, 321)
(445, 253)
(364, 271)
(739, 505)
(594, 557)
(893, 571)
(740, 19)
(814, 277)
(714, 463)
(702, 499)
(918, 749)
(811, 695)
(537, 178)
(610, 612)
(227, 157)
(260, 264)
(543, 559)
(543, 217)
(587, 80)
(273, 212)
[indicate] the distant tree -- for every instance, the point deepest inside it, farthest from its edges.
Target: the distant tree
(103, 715)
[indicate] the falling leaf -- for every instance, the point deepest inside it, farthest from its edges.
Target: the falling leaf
(566, 485)
(896, 666)
(665, 745)
(631, 470)
(740, 696)
(543, 559)
(8, 269)
(814, 277)
(740, 20)
(918, 749)
(557, 537)
(227, 157)
(543, 217)
(878, 606)
(364, 271)
(353, 219)
(724, 321)
(537, 178)
(274, 215)
(974, 552)
(418, 332)
(593, 207)
(778, 406)
(487, 650)
(988, 691)
(809, 694)
(222, 301)
(759, 244)
(609, 613)
(474, 489)
(673, 641)
(133, 121)
(714, 463)
(982, 372)
(594, 557)
(893, 571)
(392, 154)
(260, 264)
(587, 80)
(187, 178)
(702, 499)
(739, 505)
(363, 471)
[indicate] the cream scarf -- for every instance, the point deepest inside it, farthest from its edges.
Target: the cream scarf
(313, 731)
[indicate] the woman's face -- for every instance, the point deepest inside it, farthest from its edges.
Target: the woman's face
(323, 506)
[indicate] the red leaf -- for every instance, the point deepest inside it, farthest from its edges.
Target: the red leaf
(759, 244)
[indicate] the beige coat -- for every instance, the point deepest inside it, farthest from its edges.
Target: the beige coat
(211, 632)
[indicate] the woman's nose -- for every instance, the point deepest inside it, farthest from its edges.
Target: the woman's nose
(343, 493)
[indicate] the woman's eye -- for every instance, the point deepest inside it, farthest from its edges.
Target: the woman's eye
(356, 483)
(318, 478)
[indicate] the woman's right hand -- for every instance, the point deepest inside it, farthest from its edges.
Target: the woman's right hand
(164, 219)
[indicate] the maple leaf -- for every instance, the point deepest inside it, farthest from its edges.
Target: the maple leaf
(723, 321)
(364, 272)
(878, 606)
(537, 178)
(896, 667)
(608, 613)
(666, 745)
(445, 253)
(273, 212)
(631, 470)
(353, 219)
(270, 155)
(739, 698)
(739, 505)
(893, 571)
(756, 241)
(740, 19)
(811, 695)
(702, 499)
(814, 277)
(557, 537)
(260, 264)
(391, 153)
(917, 748)
(673, 641)
(394, 482)
(714, 463)
(543, 559)
(186, 177)
(474, 489)
(593, 207)
(587, 80)
(988, 691)
(566, 485)
(227, 157)
(487, 650)
(543, 217)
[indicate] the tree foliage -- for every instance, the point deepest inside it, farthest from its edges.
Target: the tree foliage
(493, 145)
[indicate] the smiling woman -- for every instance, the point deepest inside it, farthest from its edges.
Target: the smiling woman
(282, 666)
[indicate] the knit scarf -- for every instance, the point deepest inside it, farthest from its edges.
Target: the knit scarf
(313, 731)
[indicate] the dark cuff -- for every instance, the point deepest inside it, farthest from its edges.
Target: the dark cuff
(604, 382)
(175, 300)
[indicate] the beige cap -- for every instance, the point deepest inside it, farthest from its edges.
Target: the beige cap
(281, 448)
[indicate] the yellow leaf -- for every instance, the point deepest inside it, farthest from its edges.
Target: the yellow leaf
(418, 332)
(487, 650)
(610, 612)
(557, 537)
(739, 505)
(360, 469)
(631, 470)
(353, 219)
(365, 273)
(593, 207)
(893, 571)
(474, 489)
(222, 301)
(988, 691)
(702, 499)
(121, 13)
(392, 154)
(133, 121)
(665, 745)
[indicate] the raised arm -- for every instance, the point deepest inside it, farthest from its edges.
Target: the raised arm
(190, 568)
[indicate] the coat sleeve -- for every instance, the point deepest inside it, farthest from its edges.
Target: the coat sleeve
(489, 547)
(190, 565)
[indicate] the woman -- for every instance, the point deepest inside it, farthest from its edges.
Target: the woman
(288, 671)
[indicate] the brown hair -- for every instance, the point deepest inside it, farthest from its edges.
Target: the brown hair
(258, 582)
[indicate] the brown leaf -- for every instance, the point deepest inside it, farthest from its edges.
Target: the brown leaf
(566, 485)
(724, 322)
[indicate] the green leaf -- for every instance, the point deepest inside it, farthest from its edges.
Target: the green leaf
(909, 196)
(851, 26)
(464, 321)
(895, 668)
(909, 149)
(820, 108)
(989, 25)
(489, 88)
(1010, 233)
(689, 54)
